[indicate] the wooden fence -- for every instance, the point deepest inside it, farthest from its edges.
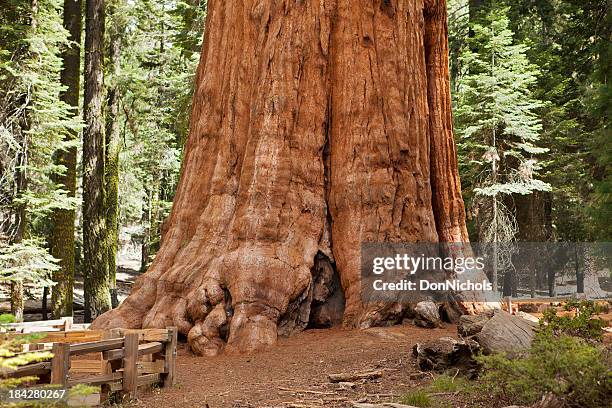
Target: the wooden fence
(117, 360)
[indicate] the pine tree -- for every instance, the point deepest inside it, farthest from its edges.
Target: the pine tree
(33, 125)
(62, 240)
(498, 127)
(158, 66)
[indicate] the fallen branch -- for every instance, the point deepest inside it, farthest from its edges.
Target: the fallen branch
(369, 375)
(299, 391)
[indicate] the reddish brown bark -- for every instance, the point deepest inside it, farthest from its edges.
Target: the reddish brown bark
(316, 126)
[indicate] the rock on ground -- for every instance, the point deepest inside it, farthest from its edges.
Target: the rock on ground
(427, 315)
(506, 333)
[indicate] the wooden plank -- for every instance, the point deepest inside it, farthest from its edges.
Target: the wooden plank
(95, 346)
(150, 348)
(148, 335)
(147, 379)
(86, 366)
(60, 365)
(90, 400)
(130, 372)
(68, 322)
(111, 355)
(31, 369)
(106, 368)
(143, 349)
(98, 379)
(63, 337)
(40, 323)
(115, 386)
(151, 367)
(170, 358)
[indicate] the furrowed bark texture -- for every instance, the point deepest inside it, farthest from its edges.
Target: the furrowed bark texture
(113, 147)
(62, 234)
(315, 128)
(95, 269)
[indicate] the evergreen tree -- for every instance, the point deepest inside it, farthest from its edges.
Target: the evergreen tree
(158, 70)
(34, 123)
(62, 235)
(498, 127)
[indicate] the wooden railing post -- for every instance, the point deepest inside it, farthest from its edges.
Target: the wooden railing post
(130, 371)
(60, 365)
(170, 357)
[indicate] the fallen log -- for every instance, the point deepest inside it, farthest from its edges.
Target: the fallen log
(350, 377)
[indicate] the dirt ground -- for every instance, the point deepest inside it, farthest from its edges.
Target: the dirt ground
(294, 373)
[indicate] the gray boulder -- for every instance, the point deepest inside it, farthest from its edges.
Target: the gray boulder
(427, 315)
(506, 333)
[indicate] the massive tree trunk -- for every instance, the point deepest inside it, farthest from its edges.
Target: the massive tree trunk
(95, 268)
(62, 234)
(316, 126)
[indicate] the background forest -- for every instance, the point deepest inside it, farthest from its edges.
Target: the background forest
(94, 111)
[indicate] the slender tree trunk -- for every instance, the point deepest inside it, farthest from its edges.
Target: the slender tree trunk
(113, 147)
(20, 219)
(21, 185)
(590, 279)
(95, 266)
(63, 231)
(150, 218)
(45, 303)
(316, 126)
(579, 269)
(146, 235)
(17, 298)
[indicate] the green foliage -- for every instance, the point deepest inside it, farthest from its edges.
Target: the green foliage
(582, 324)
(497, 123)
(575, 371)
(33, 125)
(418, 398)
(12, 358)
(448, 383)
(7, 318)
(26, 261)
(570, 42)
(562, 360)
(33, 120)
(161, 52)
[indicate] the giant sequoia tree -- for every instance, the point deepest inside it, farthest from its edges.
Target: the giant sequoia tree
(317, 125)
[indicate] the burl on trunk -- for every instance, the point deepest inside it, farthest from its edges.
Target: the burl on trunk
(316, 125)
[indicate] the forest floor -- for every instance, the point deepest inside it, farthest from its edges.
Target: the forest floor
(294, 373)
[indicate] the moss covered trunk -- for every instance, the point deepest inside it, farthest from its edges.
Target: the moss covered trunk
(63, 231)
(95, 266)
(113, 147)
